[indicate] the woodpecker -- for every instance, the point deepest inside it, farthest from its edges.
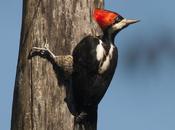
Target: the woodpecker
(95, 60)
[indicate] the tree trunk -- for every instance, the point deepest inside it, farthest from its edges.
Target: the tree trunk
(42, 93)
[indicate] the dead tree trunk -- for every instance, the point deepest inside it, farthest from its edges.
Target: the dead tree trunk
(41, 89)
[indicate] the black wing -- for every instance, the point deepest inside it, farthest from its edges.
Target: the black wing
(89, 86)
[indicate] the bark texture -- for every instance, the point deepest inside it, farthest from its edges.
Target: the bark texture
(42, 92)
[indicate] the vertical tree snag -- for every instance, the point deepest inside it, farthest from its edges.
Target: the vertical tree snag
(42, 90)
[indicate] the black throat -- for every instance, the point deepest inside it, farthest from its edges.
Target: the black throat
(108, 36)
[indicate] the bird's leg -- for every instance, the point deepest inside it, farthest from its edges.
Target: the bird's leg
(63, 61)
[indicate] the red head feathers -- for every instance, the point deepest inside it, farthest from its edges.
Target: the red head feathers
(104, 17)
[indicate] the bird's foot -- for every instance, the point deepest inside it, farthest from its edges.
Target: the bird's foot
(81, 117)
(45, 51)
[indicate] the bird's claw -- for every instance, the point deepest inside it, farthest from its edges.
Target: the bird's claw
(46, 46)
(41, 51)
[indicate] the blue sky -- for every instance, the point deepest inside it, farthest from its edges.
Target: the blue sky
(141, 95)
(10, 13)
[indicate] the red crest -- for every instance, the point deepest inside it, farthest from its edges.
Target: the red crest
(104, 17)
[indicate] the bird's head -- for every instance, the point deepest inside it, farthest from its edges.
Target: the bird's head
(111, 22)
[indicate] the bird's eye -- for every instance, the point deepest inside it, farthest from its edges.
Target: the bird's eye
(118, 19)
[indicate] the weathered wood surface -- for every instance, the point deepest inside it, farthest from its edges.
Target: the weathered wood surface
(41, 89)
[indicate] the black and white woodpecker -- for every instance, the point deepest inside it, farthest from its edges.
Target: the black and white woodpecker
(95, 61)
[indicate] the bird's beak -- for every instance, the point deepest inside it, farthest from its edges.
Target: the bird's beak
(131, 21)
(123, 24)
